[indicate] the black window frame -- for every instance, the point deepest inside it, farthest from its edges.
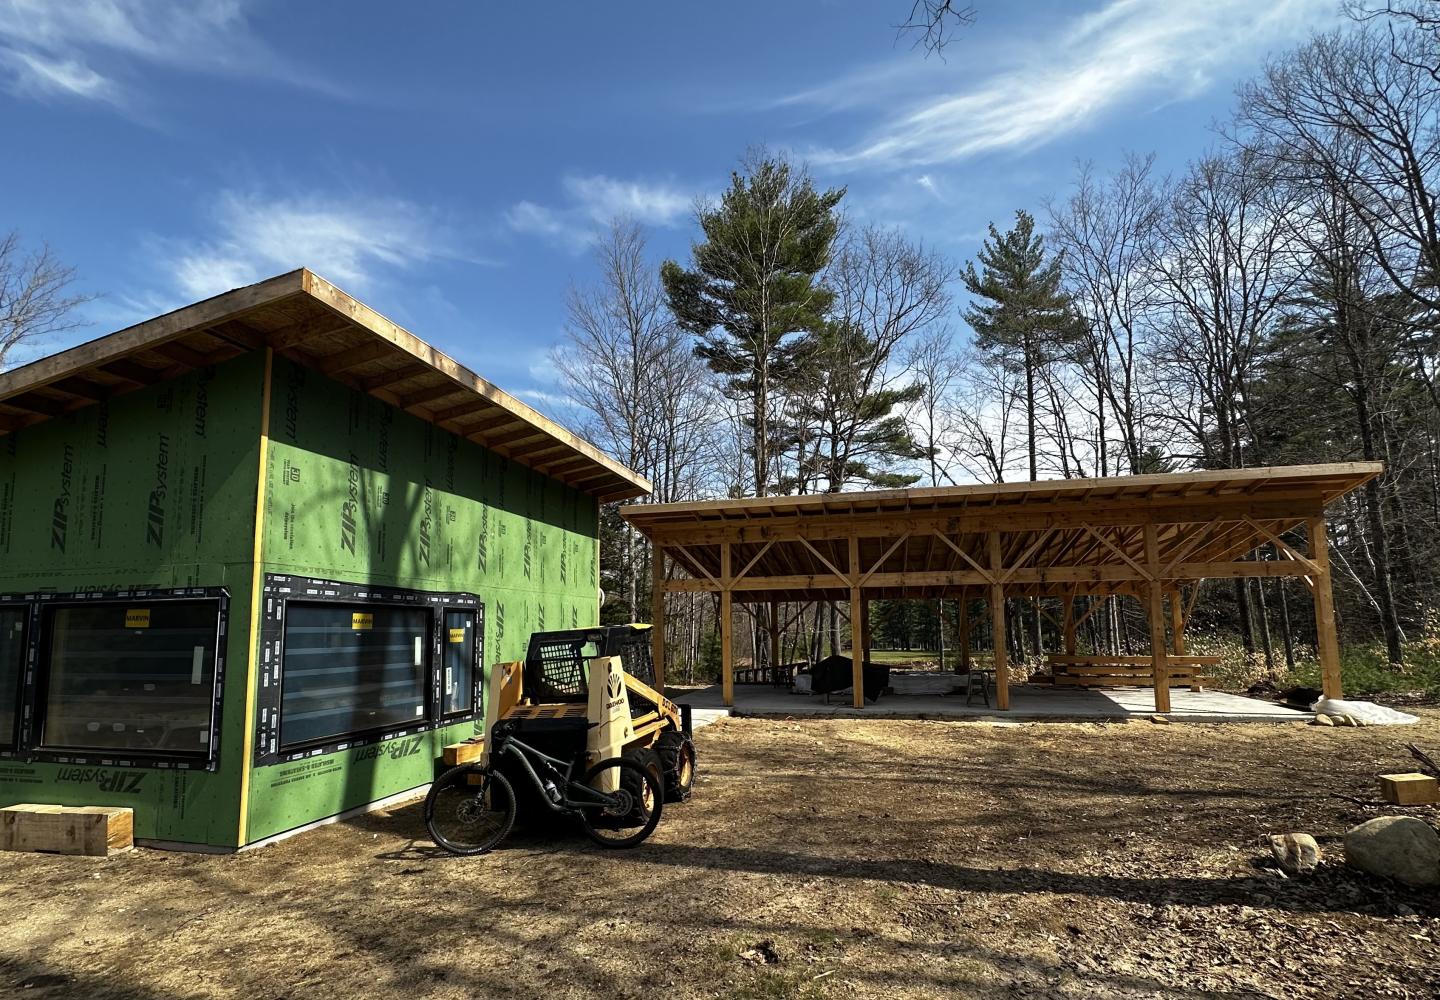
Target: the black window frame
(12, 743)
(477, 676)
(280, 590)
(43, 607)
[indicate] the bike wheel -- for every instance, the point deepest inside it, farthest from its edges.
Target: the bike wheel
(634, 810)
(470, 809)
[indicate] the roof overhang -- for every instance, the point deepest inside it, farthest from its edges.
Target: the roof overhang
(304, 317)
(1051, 537)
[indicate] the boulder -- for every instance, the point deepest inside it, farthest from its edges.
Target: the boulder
(1295, 852)
(1321, 719)
(1400, 847)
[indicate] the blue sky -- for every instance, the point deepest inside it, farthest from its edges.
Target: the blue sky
(448, 162)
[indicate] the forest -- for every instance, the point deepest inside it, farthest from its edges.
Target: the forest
(1273, 302)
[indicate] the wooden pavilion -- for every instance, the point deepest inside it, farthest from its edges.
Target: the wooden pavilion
(1151, 537)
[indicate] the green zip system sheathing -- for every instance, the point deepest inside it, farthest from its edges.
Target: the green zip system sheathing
(361, 492)
(154, 489)
(158, 489)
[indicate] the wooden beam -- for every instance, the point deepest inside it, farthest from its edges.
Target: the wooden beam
(857, 630)
(855, 563)
(657, 614)
(727, 663)
(1155, 608)
(353, 357)
(301, 334)
(1055, 578)
(774, 625)
(1327, 643)
(997, 626)
(965, 556)
(963, 627)
(835, 527)
(1068, 627)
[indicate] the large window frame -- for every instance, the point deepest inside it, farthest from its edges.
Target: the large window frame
(31, 741)
(280, 591)
(11, 739)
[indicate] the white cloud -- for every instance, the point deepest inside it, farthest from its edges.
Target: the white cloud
(352, 241)
(89, 48)
(591, 201)
(1127, 50)
(40, 76)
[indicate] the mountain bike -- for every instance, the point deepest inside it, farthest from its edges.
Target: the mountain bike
(471, 808)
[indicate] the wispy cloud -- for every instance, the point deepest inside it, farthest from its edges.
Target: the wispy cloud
(590, 202)
(353, 240)
(1127, 51)
(94, 49)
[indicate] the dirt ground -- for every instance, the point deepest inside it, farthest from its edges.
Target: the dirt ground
(818, 859)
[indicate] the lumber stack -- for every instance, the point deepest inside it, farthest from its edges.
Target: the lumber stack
(1126, 671)
(92, 830)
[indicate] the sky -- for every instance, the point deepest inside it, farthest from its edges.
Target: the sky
(449, 163)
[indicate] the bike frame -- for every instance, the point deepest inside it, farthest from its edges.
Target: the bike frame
(524, 752)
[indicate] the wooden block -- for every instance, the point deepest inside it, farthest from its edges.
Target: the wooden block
(90, 830)
(1412, 789)
(463, 753)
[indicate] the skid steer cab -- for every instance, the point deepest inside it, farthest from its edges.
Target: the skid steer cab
(592, 691)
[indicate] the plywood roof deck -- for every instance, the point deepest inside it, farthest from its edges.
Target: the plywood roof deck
(1054, 537)
(304, 317)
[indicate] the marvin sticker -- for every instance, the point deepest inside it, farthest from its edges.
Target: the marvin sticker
(457, 635)
(137, 618)
(362, 620)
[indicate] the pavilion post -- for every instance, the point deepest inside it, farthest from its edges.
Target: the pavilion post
(774, 640)
(865, 625)
(857, 626)
(657, 614)
(1177, 633)
(1327, 644)
(997, 625)
(727, 662)
(1155, 601)
(1069, 624)
(964, 628)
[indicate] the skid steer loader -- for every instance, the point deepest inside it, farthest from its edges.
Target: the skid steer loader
(592, 690)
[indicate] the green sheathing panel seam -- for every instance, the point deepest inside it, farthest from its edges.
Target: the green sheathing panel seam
(155, 488)
(357, 491)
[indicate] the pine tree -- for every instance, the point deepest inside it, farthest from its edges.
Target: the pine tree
(1023, 320)
(857, 431)
(755, 284)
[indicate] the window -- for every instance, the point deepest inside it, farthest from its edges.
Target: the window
(12, 658)
(346, 665)
(134, 675)
(352, 668)
(457, 658)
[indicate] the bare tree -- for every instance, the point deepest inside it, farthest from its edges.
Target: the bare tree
(1387, 106)
(631, 367)
(35, 298)
(1221, 269)
(1105, 233)
(934, 23)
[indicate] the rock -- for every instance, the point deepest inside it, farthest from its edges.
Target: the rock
(1295, 852)
(1159, 720)
(1321, 719)
(1400, 847)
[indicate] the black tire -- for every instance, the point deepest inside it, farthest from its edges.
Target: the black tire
(677, 757)
(470, 809)
(643, 802)
(650, 761)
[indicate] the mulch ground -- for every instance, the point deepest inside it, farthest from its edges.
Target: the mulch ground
(817, 859)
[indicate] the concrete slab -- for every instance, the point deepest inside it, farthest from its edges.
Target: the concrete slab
(1027, 703)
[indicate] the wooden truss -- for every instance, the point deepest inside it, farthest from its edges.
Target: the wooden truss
(1148, 537)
